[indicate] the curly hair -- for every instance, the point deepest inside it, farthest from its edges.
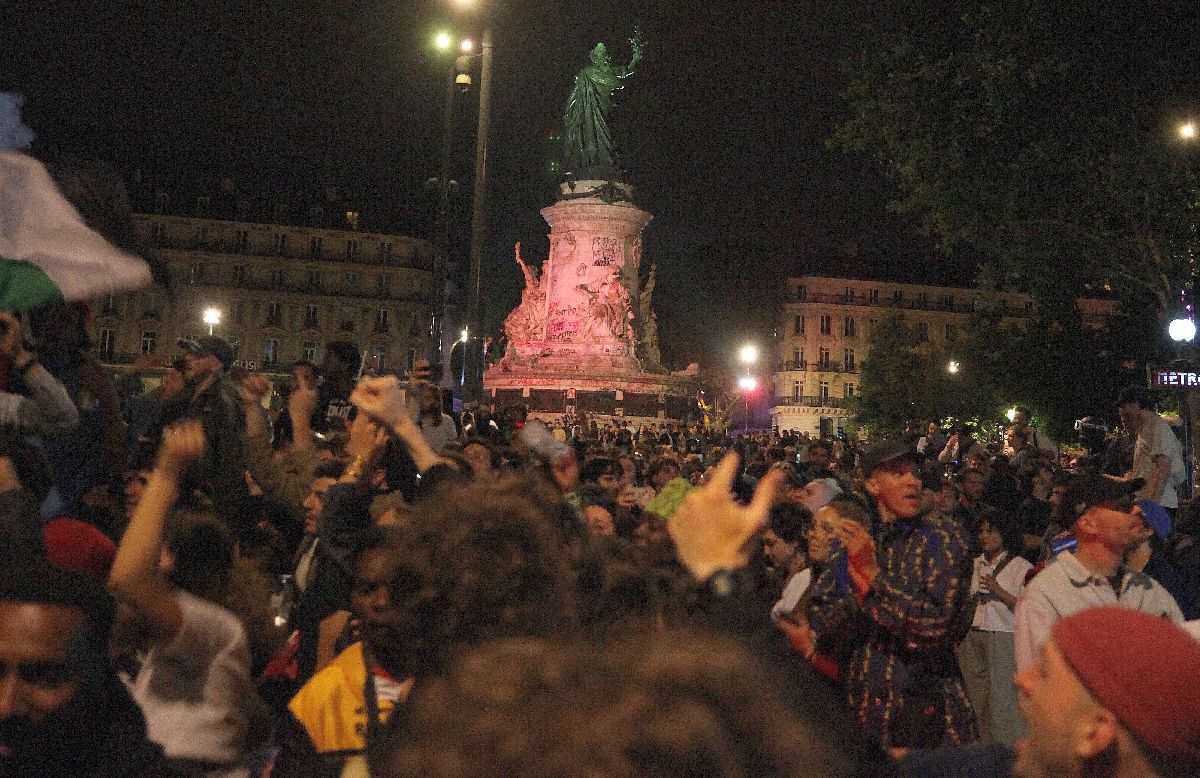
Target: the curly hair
(486, 561)
(674, 704)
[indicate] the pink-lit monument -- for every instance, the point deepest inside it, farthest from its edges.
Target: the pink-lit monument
(584, 337)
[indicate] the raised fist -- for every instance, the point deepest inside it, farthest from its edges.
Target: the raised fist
(182, 444)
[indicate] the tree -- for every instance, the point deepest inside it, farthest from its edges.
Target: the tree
(1041, 134)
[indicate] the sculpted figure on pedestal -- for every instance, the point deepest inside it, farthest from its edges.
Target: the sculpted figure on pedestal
(528, 320)
(648, 322)
(608, 307)
(588, 144)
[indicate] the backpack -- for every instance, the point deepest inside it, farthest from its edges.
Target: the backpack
(965, 604)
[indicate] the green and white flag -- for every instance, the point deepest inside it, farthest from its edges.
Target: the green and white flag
(47, 251)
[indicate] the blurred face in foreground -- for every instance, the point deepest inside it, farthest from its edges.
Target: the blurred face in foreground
(40, 677)
(1066, 726)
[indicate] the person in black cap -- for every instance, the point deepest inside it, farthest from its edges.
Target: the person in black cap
(900, 584)
(211, 398)
(1107, 524)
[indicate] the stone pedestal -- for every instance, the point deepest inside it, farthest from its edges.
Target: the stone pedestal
(573, 341)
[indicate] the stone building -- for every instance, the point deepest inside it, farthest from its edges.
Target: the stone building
(823, 337)
(282, 293)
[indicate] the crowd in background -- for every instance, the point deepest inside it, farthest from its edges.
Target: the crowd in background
(204, 579)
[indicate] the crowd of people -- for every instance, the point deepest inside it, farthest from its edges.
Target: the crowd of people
(205, 578)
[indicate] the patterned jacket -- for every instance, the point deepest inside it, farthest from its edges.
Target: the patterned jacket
(905, 654)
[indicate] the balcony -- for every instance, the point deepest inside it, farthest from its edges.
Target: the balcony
(820, 367)
(906, 303)
(812, 402)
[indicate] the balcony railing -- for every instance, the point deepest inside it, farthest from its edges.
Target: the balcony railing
(909, 303)
(821, 367)
(812, 402)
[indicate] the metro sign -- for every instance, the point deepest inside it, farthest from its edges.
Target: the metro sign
(1170, 378)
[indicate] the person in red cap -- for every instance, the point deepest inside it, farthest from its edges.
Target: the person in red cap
(1116, 692)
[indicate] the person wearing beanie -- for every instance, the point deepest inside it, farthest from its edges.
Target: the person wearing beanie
(1115, 693)
(1107, 524)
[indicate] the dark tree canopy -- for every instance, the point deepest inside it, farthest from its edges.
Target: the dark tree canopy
(1042, 134)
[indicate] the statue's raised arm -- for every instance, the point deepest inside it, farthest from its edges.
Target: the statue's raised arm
(587, 139)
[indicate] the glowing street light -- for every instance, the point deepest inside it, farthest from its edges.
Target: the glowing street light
(1012, 414)
(466, 46)
(1182, 330)
(211, 317)
(748, 354)
(1187, 130)
(463, 336)
(952, 367)
(443, 41)
(747, 383)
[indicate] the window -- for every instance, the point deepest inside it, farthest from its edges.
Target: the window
(314, 247)
(798, 326)
(848, 358)
(922, 298)
(850, 329)
(149, 341)
(385, 252)
(848, 295)
(108, 342)
(270, 351)
(351, 249)
(823, 391)
(795, 388)
(351, 282)
(801, 293)
(274, 314)
(314, 279)
(379, 355)
(951, 332)
(381, 284)
(898, 296)
(310, 317)
(276, 277)
(823, 358)
(948, 301)
(412, 359)
(875, 297)
(109, 305)
(242, 240)
(922, 331)
(279, 242)
(203, 203)
(381, 320)
(308, 351)
(848, 390)
(826, 324)
(239, 311)
(797, 357)
(239, 274)
(194, 274)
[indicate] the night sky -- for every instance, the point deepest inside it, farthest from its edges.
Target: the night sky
(723, 129)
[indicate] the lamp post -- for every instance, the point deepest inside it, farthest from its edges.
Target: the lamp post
(211, 317)
(479, 215)
(1183, 332)
(747, 355)
(952, 367)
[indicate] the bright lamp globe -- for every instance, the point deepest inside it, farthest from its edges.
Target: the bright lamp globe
(1182, 330)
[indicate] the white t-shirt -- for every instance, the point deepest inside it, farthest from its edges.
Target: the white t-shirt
(1157, 439)
(993, 615)
(196, 691)
(795, 588)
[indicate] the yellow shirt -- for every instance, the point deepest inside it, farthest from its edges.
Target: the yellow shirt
(332, 706)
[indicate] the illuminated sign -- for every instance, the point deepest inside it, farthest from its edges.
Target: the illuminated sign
(1165, 378)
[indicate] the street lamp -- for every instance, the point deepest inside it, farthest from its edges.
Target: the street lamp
(747, 384)
(1187, 130)
(1182, 330)
(952, 367)
(211, 317)
(748, 354)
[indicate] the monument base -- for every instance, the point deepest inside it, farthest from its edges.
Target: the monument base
(597, 389)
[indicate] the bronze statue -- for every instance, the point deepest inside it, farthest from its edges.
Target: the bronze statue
(588, 146)
(648, 322)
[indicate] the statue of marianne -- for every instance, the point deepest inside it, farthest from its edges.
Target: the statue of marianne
(587, 139)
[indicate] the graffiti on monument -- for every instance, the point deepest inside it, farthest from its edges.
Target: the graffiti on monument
(605, 251)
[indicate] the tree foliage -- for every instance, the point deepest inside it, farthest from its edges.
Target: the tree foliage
(1042, 134)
